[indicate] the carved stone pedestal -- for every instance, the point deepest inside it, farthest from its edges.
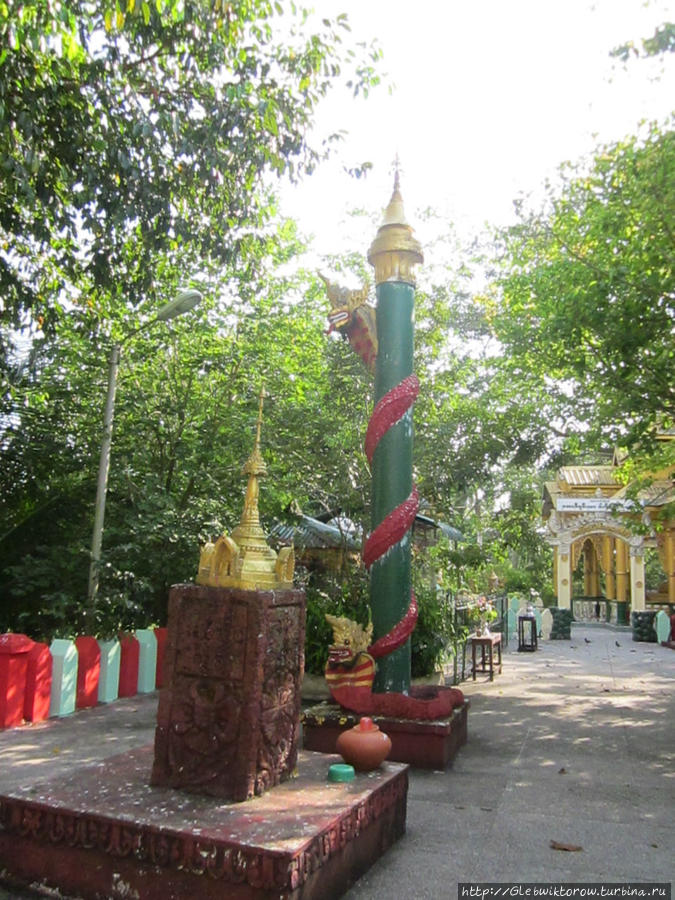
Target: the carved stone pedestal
(228, 718)
(102, 833)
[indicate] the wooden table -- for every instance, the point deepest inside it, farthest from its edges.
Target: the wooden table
(487, 643)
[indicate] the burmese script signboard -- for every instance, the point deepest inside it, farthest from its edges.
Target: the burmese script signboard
(594, 504)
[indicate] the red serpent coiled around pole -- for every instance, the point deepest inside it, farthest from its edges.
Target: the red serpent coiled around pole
(389, 410)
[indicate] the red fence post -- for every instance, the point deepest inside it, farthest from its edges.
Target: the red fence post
(38, 683)
(88, 671)
(13, 665)
(129, 657)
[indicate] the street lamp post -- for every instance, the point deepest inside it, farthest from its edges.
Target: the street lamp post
(184, 302)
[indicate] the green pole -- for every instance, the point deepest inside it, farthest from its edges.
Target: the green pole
(390, 577)
(393, 254)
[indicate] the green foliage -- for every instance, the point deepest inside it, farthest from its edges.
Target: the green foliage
(584, 302)
(137, 143)
(655, 577)
(466, 564)
(432, 639)
(438, 634)
(511, 382)
(343, 593)
(142, 136)
(524, 580)
(184, 424)
(662, 41)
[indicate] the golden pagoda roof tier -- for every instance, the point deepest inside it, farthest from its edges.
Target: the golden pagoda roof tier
(658, 493)
(395, 252)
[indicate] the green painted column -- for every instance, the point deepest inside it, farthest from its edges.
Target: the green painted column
(393, 254)
(390, 577)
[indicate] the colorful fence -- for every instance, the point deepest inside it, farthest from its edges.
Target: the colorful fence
(38, 681)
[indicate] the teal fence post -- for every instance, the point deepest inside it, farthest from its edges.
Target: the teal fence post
(64, 677)
(109, 680)
(147, 660)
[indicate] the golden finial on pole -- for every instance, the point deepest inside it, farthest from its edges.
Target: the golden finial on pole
(395, 252)
(397, 172)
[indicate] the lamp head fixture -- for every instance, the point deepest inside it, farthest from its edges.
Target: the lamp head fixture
(183, 303)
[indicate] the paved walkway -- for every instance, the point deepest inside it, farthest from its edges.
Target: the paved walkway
(574, 744)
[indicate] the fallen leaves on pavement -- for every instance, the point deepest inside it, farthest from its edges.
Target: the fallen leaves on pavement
(569, 848)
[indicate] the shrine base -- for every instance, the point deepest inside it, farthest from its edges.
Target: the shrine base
(431, 744)
(227, 721)
(103, 832)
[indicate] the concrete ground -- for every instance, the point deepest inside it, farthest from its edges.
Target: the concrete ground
(573, 744)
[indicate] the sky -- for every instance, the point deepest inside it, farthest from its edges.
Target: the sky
(490, 97)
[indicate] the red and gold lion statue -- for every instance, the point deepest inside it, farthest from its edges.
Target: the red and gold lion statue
(350, 672)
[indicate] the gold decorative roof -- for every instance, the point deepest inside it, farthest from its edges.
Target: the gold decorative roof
(395, 252)
(588, 476)
(658, 493)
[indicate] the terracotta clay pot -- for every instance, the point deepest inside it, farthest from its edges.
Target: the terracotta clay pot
(364, 746)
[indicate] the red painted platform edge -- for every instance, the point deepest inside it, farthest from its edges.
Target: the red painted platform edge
(422, 744)
(96, 857)
(91, 875)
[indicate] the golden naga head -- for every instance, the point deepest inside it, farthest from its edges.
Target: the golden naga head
(343, 302)
(354, 318)
(349, 638)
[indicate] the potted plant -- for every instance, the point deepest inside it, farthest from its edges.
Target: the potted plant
(480, 613)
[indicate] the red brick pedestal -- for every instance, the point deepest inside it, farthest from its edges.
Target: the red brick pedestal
(228, 725)
(425, 744)
(228, 718)
(102, 832)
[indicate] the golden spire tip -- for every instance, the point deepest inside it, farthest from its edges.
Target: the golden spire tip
(260, 415)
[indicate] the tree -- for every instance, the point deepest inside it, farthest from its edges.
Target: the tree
(144, 131)
(583, 304)
(138, 143)
(184, 424)
(662, 41)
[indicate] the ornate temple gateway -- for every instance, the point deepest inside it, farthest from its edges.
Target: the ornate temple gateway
(590, 513)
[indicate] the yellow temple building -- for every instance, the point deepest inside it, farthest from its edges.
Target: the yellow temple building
(591, 514)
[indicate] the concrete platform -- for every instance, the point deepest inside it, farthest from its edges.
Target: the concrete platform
(103, 832)
(574, 743)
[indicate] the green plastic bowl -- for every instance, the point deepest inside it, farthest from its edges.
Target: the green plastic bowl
(341, 772)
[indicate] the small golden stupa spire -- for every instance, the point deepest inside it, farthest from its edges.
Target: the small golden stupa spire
(254, 467)
(245, 559)
(395, 251)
